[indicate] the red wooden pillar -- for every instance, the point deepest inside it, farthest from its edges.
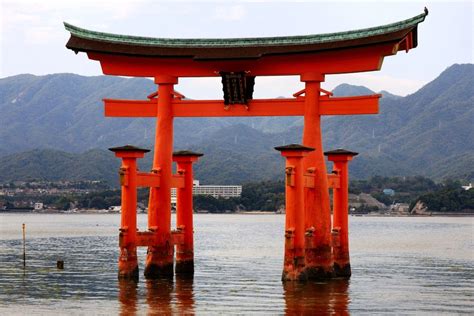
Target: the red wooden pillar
(342, 266)
(319, 264)
(128, 263)
(294, 262)
(184, 211)
(159, 262)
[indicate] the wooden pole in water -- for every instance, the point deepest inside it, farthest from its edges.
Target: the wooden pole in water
(24, 246)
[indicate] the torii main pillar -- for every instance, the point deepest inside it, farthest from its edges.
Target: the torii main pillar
(159, 262)
(319, 263)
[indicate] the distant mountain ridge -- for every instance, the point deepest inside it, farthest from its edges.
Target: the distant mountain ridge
(428, 132)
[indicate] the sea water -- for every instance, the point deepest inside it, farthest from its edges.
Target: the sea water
(400, 265)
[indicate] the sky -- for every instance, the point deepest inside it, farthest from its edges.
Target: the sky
(32, 36)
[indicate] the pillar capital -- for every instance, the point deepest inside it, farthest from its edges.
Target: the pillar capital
(186, 156)
(165, 79)
(312, 76)
(294, 150)
(129, 151)
(340, 155)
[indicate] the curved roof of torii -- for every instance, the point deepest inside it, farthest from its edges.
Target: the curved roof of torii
(83, 40)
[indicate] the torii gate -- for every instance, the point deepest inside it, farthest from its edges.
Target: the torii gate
(314, 248)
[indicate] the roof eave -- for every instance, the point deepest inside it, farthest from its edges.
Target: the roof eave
(79, 42)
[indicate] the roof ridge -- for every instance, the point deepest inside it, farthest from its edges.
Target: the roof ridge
(247, 41)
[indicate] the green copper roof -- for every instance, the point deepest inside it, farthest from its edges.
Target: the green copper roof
(245, 42)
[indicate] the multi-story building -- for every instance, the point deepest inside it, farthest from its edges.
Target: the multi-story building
(225, 191)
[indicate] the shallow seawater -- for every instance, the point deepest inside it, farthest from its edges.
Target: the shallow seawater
(399, 265)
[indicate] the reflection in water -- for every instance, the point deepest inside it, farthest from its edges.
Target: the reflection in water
(128, 297)
(159, 296)
(162, 297)
(317, 298)
(185, 295)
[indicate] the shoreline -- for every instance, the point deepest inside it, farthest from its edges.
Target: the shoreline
(433, 214)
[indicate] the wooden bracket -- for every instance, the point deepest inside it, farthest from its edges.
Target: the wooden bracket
(290, 238)
(336, 237)
(334, 180)
(290, 176)
(310, 178)
(123, 174)
(309, 238)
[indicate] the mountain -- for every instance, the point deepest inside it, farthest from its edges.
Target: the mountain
(388, 95)
(346, 90)
(53, 165)
(427, 133)
(65, 112)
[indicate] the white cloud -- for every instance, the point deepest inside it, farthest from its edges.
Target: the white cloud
(33, 11)
(43, 34)
(201, 88)
(281, 86)
(229, 13)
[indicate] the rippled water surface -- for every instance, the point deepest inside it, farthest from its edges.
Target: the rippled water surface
(399, 265)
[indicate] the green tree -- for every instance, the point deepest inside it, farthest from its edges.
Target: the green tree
(62, 203)
(97, 202)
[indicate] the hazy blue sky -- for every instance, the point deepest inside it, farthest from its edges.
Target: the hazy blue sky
(33, 38)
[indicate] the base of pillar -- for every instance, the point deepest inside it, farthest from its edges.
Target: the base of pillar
(342, 270)
(128, 272)
(293, 269)
(299, 276)
(155, 271)
(319, 273)
(185, 267)
(319, 263)
(128, 264)
(159, 263)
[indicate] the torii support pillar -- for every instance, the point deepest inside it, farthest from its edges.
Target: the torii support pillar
(340, 231)
(319, 264)
(294, 262)
(184, 212)
(159, 262)
(128, 263)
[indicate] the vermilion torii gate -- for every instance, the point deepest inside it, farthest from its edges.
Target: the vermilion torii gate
(314, 247)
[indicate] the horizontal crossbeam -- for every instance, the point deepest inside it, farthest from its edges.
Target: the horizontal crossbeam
(177, 181)
(263, 107)
(356, 59)
(148, 180)
(151, 238)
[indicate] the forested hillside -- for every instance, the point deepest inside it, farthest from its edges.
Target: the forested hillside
(427, 133)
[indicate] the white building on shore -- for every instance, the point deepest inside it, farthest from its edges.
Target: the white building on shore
(224, 191)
